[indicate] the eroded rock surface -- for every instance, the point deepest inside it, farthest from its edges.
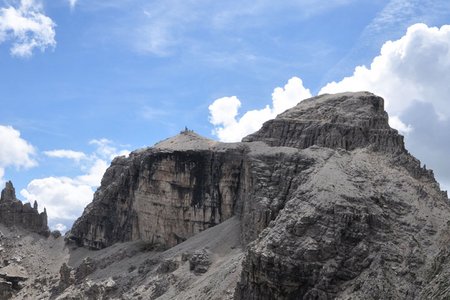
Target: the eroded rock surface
(162, 195)
(330, 206)
(347, 121)
(200, 261)
(15, 213)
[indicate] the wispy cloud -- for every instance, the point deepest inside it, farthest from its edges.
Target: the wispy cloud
(27, 27)
(69, 154)
(162, 28)
(152, 113)
(72, 3)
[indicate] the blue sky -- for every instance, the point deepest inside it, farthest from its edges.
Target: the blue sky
(99, 78)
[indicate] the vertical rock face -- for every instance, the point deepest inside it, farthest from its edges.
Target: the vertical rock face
(14, 213)
(162, 195)
(331, 205)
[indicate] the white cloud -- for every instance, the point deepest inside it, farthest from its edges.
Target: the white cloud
(60, 227)
(66, 197)
(414, 68)
(69, 154)
(95, 173)
(14, 150)
(63, 197)
(106, 150)
(411, 74)
(224, 111)
(395, 122)
(27, 28)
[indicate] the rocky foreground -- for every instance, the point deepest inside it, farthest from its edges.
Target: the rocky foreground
(324, 202)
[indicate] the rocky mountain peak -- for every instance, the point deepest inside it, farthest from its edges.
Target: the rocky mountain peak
(346, 120)
(15, 213)
(186, 139)
(328, 204)
(8, 193)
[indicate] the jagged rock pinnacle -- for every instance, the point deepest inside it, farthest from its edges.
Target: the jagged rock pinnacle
(8, 193)
(15, 213)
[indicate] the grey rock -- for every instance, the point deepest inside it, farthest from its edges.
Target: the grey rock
(87, 267)
(8, 193)
(168, 266)
(347, 121)
(14, 274)
(161, 195)
(161, 286)
(362, 221)
(56, 234)
(200, 261)
(331, 205)
(66, 276)
(148, 265)
(6, 289)
(14, 213)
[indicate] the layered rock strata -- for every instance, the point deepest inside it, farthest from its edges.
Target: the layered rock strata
(163, 195)
(15, 213)
(331, 205)
(356, 121)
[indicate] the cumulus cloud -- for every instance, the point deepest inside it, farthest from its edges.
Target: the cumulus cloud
(94, 176)
(66, 197)
(27, 27)
(412, 75)
(395, 122)
(60, 227)
(69, 154)
(228, 127)
(63, 197)
(411, 69)
(14, 150)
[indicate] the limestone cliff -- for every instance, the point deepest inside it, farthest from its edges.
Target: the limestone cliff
(15, 213)
(331, 205)
(163, 195)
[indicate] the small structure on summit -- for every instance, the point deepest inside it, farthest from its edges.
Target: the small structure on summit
(15, 213)
(186, 130)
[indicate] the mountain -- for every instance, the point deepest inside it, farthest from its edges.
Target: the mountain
(323, 202)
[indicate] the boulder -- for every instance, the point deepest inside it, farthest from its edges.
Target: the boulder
(200, 261)
(14, 274)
